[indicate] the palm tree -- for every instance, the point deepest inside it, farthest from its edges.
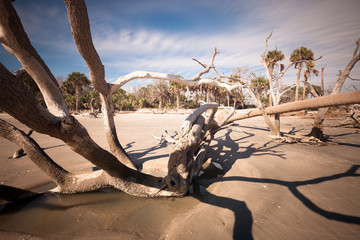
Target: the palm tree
(299, 56)
(272, 58)
(76, 81)
(259, 86)
(310, 68)
(177, 89)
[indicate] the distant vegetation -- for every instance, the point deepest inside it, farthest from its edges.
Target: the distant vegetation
(159, 94)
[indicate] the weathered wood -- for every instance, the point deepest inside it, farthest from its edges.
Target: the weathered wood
(320, 102)
(15, 40)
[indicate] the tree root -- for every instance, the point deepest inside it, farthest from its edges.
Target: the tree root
(302, 139)
(317, 133)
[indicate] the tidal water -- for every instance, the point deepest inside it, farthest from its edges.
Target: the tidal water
(104, 214)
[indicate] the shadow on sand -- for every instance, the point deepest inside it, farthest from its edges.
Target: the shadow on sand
(227, 151)
(231, 151)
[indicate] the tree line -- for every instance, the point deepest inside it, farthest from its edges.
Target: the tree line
(80, 95)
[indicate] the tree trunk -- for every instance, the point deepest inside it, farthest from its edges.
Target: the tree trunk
(322, 81)
(317, 130)
(18, 101)
(228, 99)
(270, 100)
(178, 100)
(277, 125)
(297, 83)
(208, 95)
(77, 97)
(273, 130)
(304, 92)
(320, 102)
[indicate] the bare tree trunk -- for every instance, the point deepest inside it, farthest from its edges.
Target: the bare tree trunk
(228, 99)
(304, 91)
(317, 130)
(77, 97)
(322, 81)
(273, 130)
(208, 95)
(277, 124)
(297, 83)
(177, 100)
(320, 102)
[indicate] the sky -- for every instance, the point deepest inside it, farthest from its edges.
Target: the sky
(164, 35)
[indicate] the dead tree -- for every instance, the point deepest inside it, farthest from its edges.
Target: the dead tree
(117, 170)
(317, 130)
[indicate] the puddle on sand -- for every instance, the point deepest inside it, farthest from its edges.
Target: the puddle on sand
(106, 214)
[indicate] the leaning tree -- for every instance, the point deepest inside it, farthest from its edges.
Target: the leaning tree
(117, 169)
(317, 130)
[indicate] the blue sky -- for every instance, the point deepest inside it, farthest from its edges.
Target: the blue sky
(164, 35)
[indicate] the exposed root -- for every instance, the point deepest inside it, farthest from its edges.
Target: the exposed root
(302, 139)
(167, 138)
(317, 133)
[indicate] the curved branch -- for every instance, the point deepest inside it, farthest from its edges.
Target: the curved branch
(15, 41)
(207, 69)
(80, 28)
(170, 77)
(18, 101)
(354, 79)
(310, 87)
(34, 151)
(287, 90)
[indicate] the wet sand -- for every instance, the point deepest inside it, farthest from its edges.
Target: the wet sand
(269, 191)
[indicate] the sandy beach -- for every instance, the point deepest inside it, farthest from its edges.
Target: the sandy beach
(268, 190)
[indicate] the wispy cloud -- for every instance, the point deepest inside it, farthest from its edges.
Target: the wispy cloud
(164, 35)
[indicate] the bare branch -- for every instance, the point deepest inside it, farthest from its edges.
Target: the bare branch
(356, 47)
(207, 69)
(203, 65)
(15, 41)
(80, 28)
(287, 90)
(266, 45)
(34, 151)
(170, 77)
(312, 90)
(354, 79)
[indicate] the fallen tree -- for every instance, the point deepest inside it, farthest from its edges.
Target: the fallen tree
(317, 130)
(117, 169)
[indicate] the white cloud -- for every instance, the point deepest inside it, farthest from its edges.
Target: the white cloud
(328, 27)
